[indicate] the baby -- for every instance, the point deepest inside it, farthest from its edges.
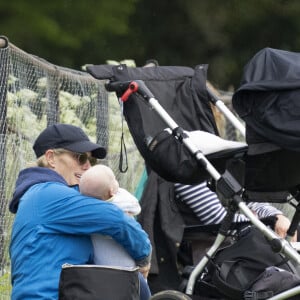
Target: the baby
(100, 182)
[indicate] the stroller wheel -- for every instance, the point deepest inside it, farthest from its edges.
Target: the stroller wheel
(170, 295)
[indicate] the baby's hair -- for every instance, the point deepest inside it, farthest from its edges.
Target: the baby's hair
(99, 181)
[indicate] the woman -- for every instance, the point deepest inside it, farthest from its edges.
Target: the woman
(54, 221)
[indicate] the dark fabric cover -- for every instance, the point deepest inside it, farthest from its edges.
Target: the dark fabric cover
(274, 281)
(181, 91)
(272, 172)
(162, 220)
(234, 268)
(93, 282)
(269, 98)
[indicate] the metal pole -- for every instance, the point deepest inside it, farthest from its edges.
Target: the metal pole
(4, 69)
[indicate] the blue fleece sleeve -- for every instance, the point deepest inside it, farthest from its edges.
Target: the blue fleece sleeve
(61, 209)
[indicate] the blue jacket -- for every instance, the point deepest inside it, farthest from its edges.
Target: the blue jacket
(53, 225)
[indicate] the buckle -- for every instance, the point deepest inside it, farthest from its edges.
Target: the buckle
(249, 295)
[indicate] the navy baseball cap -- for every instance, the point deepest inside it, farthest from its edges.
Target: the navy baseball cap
(67, 137)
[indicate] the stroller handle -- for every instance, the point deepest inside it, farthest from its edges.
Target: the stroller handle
(117, 86)
(126, 88)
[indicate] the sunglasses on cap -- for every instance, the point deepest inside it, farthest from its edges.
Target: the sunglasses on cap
(81, 158)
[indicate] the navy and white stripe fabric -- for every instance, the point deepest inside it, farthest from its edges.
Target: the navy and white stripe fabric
(209, 209)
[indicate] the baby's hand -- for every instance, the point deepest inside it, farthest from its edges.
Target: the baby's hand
(145, 270)
(130, 214)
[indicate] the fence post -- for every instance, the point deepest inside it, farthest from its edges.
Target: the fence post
(102, 119)
(53, 98)
(4, 69)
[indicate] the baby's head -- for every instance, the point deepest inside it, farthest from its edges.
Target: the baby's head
(99, 182)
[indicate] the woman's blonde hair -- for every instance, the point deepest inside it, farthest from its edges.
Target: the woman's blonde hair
(42, 161)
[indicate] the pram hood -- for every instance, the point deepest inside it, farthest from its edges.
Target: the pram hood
(269, 102)
(182, 92)
(268, 99)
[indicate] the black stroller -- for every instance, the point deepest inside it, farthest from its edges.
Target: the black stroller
(170, 153)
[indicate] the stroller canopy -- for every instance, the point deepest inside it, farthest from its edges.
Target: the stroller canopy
(268, 99)
(182, 92)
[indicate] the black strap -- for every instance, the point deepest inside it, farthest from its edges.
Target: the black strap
(123, 152)
(226, 288)
(228, 267)
(123, 163)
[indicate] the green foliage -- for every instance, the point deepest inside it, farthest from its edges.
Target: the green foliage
(67, 31)
(223, 34)
(5, 287)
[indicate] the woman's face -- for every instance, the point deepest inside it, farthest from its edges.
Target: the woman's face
(71, 165)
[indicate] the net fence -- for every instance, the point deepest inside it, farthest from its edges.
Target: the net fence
(34, 94)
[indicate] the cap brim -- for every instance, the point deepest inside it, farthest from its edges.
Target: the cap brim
(87, 146)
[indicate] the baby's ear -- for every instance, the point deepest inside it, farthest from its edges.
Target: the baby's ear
(111, 192)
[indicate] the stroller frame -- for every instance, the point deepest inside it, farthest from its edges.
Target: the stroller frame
(226, 183)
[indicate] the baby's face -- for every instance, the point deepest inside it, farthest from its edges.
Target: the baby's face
(115, 185)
